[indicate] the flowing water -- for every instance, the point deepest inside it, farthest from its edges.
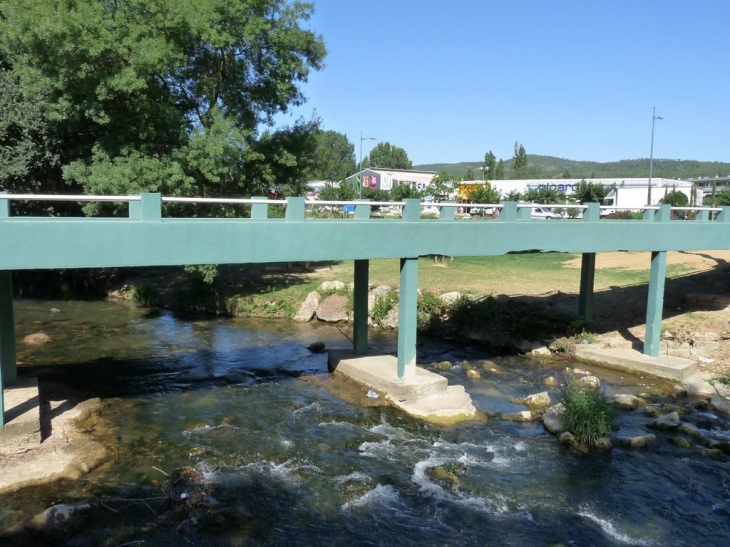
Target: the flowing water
(227, 432)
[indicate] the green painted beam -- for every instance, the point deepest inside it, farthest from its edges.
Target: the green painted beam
(360, 308)
(655, 303)
(407, 318)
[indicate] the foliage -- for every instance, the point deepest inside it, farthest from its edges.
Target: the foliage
(722, 198)
(444, 184)
(675, 198)
(563, 346)
(723, 378)
(382, 306)
(519, 162)
(484, 193)
(588, 415)
(144, 295)
(386, 156)
(430, 310)
(334, 156)
(623, 215)
(589, 192)
(159, 95)
(261, 305)
(338, 192)
(469, 174)
(544, 195)
(552, 167)
(406, 191)
(589, 337)
(499, 173)
(490, 165)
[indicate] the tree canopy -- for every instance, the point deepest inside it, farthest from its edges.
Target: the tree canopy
(386, 156)
(334, 156)
(159, 95)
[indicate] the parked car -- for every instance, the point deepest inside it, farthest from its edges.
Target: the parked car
(544, 213)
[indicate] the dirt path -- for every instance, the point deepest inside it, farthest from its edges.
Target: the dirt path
(697, 260)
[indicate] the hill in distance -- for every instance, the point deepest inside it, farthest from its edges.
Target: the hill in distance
(549, 167)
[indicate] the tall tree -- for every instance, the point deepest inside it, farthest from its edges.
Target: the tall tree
(386, 156)
(490, 166)
(161, 95)
(334, 156)
(499, 174)
(519, 162)
(469, 174)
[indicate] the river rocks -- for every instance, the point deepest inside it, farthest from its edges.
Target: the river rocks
(308, 308)
(333, 309)
(524, 416)
(332, 286)
(473, 374)
(37, 339)
(57, 523)
(591, 381)
(637, 441)
(450, 297)
(667, 422)
(682, 442)
(720, 404)
(626, 401)
(552, 419)
(567, 438)
(317, 347)
(538, 400)
(550, 381)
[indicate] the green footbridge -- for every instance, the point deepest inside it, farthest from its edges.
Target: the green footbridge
(146, 238)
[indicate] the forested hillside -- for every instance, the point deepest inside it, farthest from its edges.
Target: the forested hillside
(551, 167)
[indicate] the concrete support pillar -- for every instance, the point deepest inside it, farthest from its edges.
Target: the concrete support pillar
(8, 368)
(407, 318)
(587, 276)
(655, 303)
(360, 308)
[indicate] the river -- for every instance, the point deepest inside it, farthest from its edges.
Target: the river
(227, 432)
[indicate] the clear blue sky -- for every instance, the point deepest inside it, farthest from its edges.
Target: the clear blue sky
(448, 80)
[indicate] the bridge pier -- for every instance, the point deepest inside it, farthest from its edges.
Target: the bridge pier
(587, 276)
(360, 308)
(407, 318)
(655, 303)
(8, 368)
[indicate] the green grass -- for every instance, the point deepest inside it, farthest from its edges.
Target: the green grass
(588, 415)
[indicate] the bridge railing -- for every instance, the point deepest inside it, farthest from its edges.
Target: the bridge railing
(149, 207)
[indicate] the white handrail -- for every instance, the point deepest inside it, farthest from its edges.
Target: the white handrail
(66, 197)
(225, 200)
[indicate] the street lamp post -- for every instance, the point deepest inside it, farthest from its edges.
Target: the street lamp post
(362, 139)
(654, 117)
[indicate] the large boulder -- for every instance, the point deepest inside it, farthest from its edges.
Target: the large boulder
(450, 297)
(332, 286)
(552, 419)
(333, 309)
(308, 308)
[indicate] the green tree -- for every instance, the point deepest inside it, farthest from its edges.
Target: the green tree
(675, 198)
(589, 192)
(513, 195)
(722, 198)
(519, 162)
(386, 156)
(160, 94)
(469, 174)
(485, 194)
(334, 156)
(444, 184)
(405, 191)
(566, 174)
(490, 166)
(544, 195)
(499, 173)
(338, 192)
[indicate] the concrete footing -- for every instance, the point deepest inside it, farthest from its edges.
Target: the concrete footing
(632, 361)
(425, 395)
(22, 428)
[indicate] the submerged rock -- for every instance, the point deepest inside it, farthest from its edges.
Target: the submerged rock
(317, 347)
(37, 339)
(638, 441)
(524, 416)
(667, 422)
(56, 524)
(626, 401)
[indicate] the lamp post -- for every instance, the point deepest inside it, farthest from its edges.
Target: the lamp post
(359, 193)
(654, 117)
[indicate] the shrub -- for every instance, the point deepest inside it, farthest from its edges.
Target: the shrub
(383, 304)
(144, 295)
(588, 415)
(723, 378)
